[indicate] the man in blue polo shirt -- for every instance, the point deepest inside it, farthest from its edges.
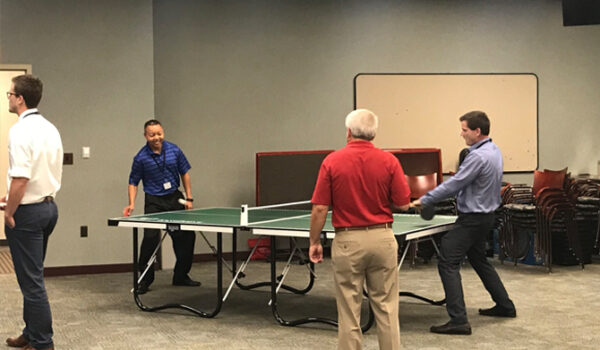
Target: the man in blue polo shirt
(477, 185)
(160, 165)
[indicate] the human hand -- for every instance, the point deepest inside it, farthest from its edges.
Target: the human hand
(416, 203)
(128, 210)
(315, 253)
(9, 220)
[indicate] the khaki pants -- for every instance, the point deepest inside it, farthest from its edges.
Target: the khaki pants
(370, 256)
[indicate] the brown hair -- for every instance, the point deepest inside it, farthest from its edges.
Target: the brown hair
(477, 119)
(30, 88)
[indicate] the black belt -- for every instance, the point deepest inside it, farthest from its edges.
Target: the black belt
(46, 199)
(168, 195)
(363, 228)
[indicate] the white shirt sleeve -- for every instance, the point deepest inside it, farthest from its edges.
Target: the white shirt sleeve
(20, 155)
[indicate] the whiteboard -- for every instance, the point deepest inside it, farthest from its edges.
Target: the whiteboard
(422, 111)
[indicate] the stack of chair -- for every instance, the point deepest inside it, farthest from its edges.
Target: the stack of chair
(516, 222)
(557, 238)
(585, 194)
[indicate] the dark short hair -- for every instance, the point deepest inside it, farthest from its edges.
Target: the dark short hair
(477, 119)
(30, 88)
(151, 122)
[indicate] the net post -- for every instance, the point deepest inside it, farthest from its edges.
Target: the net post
(244, 215)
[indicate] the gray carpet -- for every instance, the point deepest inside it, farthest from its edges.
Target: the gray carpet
(555, 311)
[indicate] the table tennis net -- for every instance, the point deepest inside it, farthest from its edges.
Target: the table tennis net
(269, 213)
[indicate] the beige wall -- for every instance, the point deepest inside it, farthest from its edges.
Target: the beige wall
(231, 78)
(266, 76)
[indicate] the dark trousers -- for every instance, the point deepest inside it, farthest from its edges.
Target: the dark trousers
(468, 238)
(183, 241)
(28, 241)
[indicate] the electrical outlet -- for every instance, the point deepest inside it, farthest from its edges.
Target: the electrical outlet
(68, 159)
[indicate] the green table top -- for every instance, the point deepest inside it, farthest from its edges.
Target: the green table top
(266, 219)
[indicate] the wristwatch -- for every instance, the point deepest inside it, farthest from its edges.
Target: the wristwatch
(189, 199)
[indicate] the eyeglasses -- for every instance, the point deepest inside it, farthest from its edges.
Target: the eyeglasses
(8, 93)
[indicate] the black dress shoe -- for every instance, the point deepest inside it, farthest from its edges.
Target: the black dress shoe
(449, 328)
(143, 288)
(498, 311)
(187, 283)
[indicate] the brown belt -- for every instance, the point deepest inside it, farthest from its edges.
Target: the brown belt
(363, 228)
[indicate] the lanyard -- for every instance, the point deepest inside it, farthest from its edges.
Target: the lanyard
(28, 114)
(467, 151)
(483, 143)
(164, 162)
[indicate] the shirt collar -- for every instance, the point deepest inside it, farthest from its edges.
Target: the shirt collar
(360, 143)
(151, 152)
(478, 144)
(28, 112)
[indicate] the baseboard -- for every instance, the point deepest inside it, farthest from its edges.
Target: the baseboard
(120, 268)
(3, 243)
(226, 256)
(86, 269)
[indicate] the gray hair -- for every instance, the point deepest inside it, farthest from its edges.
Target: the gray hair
(362, 124)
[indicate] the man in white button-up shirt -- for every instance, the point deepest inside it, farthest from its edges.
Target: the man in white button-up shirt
(34, 175)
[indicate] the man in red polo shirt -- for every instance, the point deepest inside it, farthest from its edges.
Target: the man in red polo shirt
(362, 183)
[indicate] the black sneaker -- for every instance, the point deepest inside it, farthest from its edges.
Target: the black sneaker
(449, 328)
(498, 311)
(187, 283)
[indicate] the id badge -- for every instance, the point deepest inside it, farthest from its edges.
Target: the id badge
(167, 185)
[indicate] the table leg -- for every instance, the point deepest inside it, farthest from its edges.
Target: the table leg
(297, 322)
(190, 309)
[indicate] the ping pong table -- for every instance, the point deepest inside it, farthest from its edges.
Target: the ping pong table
(273, 223)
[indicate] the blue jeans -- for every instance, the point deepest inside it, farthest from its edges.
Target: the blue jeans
(28, 241)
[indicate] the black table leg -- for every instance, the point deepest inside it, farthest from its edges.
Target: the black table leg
(190, 309)
(297, 322)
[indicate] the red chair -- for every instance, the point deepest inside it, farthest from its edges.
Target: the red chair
(548, 178)
(421, 184)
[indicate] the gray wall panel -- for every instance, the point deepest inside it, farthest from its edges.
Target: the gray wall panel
(232, 78)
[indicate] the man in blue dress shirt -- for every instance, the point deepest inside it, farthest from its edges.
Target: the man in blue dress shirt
(477, 186)
(160, 165)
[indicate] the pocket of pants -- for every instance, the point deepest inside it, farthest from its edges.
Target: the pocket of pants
(341, 248)
(344, 255)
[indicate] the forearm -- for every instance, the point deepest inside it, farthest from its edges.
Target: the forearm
(445, 190)
(132, 192)
(187, 185)
(400, 207)
(317, 221)
(15, 194)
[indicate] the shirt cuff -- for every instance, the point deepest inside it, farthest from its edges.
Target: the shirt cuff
(19, 172)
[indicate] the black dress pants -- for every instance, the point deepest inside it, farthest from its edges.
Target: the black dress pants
(468, 238)
(183, 241)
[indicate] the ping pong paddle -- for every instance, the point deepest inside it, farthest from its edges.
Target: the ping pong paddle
(427, 212)
(181, 201)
